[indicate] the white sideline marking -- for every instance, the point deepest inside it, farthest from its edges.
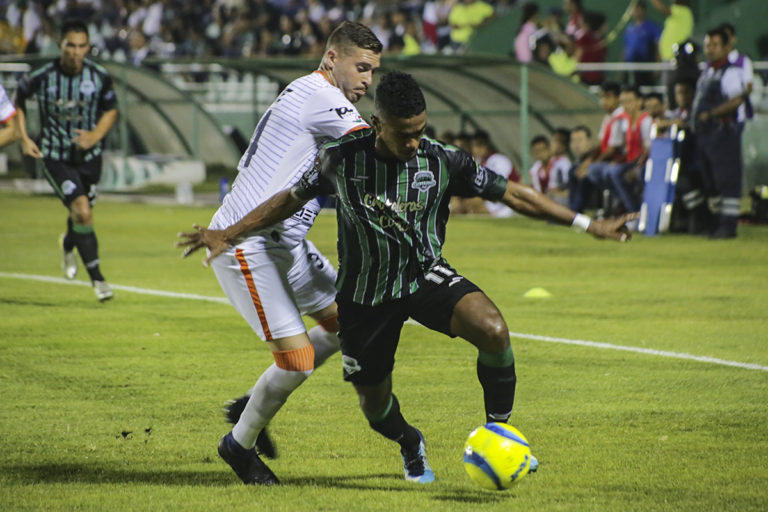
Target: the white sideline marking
(536, 337)
(144, 291)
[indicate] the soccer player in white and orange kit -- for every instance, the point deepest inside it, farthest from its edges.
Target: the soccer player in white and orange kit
(275, 275)
(8, 130)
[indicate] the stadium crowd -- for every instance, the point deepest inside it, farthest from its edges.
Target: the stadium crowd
(134, 29)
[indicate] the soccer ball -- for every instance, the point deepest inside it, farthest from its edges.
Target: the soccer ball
(496, 456)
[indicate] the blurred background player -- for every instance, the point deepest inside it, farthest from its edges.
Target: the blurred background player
(9, 131)
(76, 112)
(488, 156)
(275, 275)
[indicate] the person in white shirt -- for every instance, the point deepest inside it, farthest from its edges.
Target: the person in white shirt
(743, 63)
(275, 275)
(549, 172)
(9, 132)
(486, 155)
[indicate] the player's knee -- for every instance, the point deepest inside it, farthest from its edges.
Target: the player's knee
(82, 215)
(330, 324)
(496, 334)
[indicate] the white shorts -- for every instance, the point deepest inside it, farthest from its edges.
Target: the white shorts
(272, 286)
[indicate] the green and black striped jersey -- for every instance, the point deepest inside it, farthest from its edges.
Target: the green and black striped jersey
(392, 215)
(67, 103)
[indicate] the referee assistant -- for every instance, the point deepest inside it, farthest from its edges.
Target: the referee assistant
(77, 107)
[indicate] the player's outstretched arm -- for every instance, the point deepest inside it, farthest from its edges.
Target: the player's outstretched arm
(532, 203)
(278, 207)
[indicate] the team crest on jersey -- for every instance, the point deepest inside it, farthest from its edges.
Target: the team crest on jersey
(423, 180)
(87, 87)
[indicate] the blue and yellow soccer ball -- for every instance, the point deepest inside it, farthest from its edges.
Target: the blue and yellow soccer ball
(496, 456)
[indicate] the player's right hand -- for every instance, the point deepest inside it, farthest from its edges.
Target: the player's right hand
(29, 148)
(213, 239)
(614, 229)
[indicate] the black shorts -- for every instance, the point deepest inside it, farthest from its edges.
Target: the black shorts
(71, 181)
(370, 334)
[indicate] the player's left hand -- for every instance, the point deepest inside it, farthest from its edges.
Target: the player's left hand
(213, 239)
(615, 229)
(84, 139)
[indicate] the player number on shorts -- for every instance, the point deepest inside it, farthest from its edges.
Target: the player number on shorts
(438, 274)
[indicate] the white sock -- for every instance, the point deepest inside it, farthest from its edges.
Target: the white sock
(325, 343)
(269, 394)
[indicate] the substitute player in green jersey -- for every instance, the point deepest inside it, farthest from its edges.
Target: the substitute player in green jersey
(393, 187)
(77, 107)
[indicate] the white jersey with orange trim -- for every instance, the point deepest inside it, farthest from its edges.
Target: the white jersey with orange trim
(309, 112)
(7, 110)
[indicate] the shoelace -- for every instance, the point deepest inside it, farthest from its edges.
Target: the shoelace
(414, 464)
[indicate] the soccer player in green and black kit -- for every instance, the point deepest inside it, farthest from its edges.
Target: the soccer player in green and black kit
(393, 187)
(78, 106)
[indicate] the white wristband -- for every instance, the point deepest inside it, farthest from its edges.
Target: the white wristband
(581, 222)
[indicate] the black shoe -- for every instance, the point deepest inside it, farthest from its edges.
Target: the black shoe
(246, 464)
(726, 228)
(264, 445)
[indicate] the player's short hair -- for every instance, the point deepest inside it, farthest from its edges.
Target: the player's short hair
(729, 29)
(74, 25)
(655, 95)
(610, 88)
(633, 89)
(539, 139)
(399, 94)
(720, 32)
(582, 128)
(482, 137)
(354, 35)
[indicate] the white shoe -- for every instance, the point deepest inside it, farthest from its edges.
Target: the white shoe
(102, 290)
(69, 262)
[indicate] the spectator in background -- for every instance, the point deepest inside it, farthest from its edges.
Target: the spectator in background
(590, 174)
(654, 106)
(589, 46)
(578, 185)
(641, 40)
(678, 26)
(690, 213)
(575, 16)
(744, 64)
(465, 17)
(463, 141)
(563, 60)
(488, 156)
(545, 46)
(528, 26)
(631, 137)
(560, 166)
(548, 170)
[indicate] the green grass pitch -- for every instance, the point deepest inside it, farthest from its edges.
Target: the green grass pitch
(116, 406)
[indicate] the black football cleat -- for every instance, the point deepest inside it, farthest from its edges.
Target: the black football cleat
(246, 463)
(264, 445)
